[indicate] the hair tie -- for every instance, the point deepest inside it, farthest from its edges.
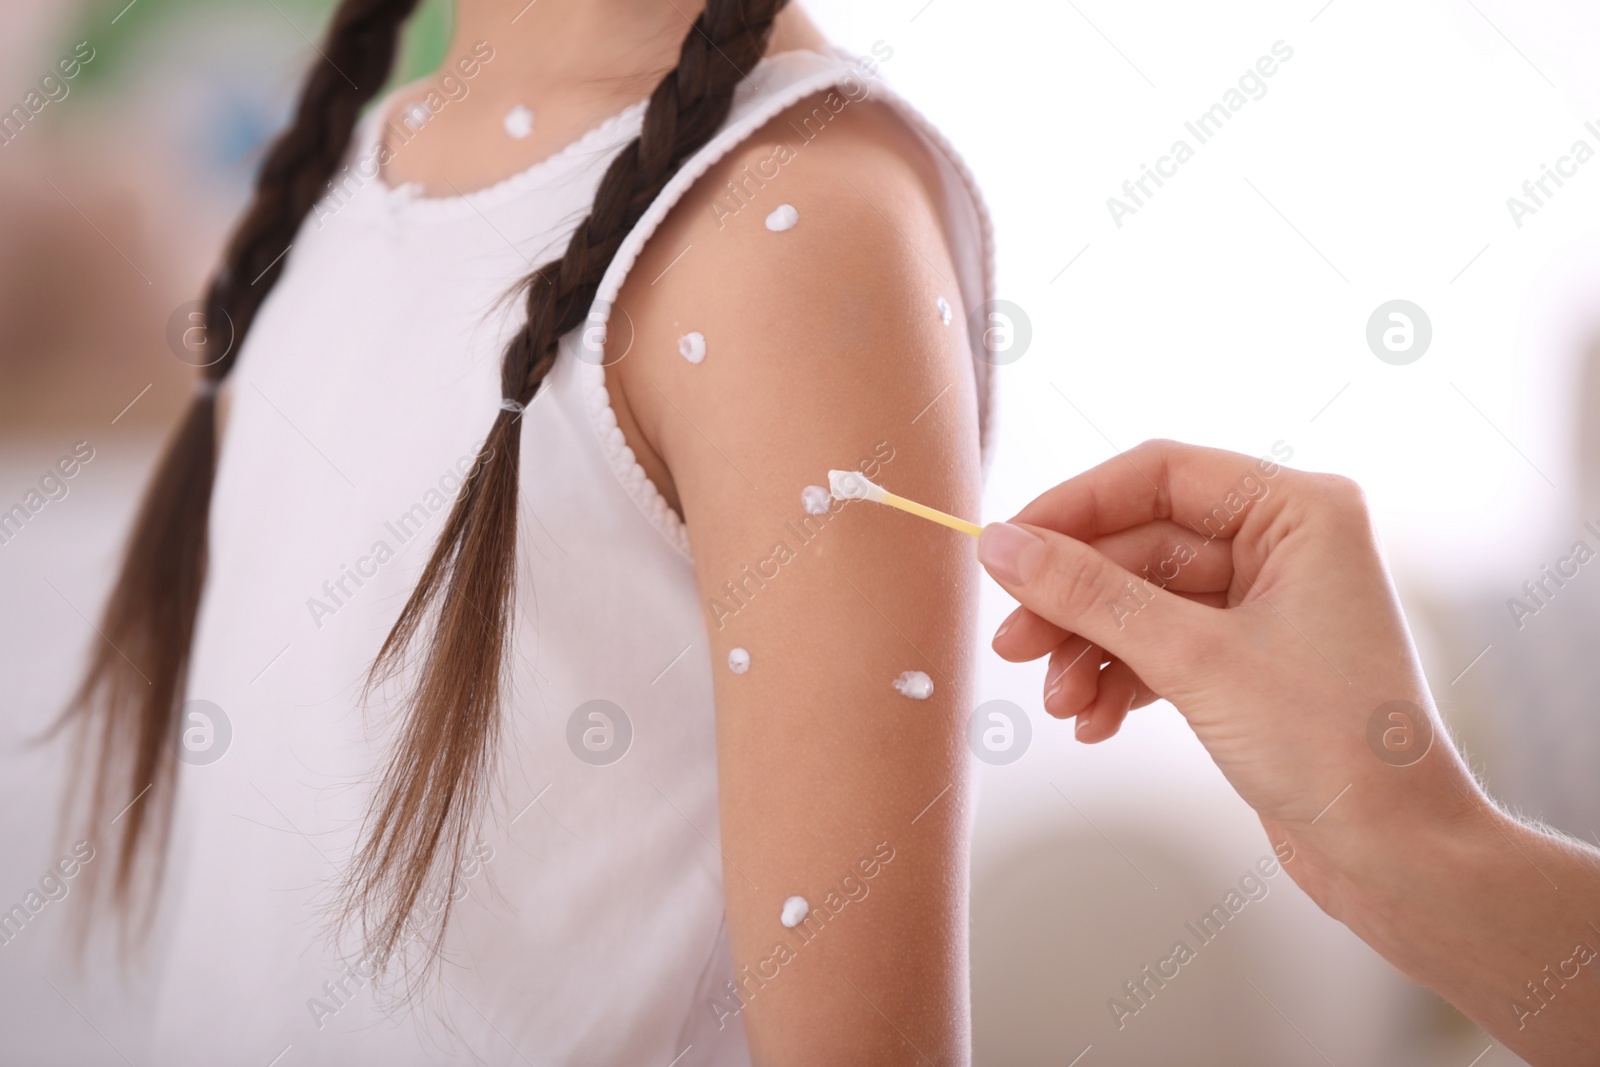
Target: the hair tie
(516, 408)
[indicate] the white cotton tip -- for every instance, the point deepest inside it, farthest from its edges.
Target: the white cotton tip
(783, 217)
(739, 660)
(692, 347)
(816, 500)
(794, 912)
(519, 121)
(914, 684)
(852, 485)
(943, 307)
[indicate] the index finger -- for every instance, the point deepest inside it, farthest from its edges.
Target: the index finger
(1205, 489)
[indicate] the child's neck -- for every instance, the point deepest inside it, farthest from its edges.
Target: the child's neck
(571, 63)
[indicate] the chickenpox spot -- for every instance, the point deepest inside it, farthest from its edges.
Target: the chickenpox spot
(692, 347)
(794, 912)
(914, 684)
(783, 217)
(519, 121)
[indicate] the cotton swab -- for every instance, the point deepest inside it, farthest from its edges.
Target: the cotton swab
(852, 485)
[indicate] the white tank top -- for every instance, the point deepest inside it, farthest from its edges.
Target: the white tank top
(592, 928)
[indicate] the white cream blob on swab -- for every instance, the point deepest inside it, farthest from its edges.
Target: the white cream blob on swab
(816, 500)
(853, 485)
(783, 217)
(943, 307)
(518, 122)
(692, 347)
(914, 684)
(739, 660)
(794, 912)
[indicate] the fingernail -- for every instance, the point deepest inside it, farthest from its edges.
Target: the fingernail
(1052, 691)
(1084, 719)
(1010, 552)
(998, 634)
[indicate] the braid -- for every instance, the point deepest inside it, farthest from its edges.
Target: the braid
(438, 776)
(128, 704)
(360, 52)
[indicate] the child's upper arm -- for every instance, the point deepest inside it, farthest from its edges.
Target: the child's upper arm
(825, 346)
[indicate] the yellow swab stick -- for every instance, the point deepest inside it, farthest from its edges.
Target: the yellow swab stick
(852, 485)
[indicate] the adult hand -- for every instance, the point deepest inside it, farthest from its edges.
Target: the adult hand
(1255, 599)
(1251, 596)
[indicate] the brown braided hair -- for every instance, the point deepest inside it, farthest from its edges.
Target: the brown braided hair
(128, 703)
(458, 617)
(438, 776)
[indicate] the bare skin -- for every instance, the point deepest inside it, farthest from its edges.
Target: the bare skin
(824, 344)
(1280, 639)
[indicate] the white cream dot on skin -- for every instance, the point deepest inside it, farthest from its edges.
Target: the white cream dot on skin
(783, 217)
(914, 684)
(794, 912)
(944, 310)
(519, 121)
(739, 660)
(816, 500)
(692, 347)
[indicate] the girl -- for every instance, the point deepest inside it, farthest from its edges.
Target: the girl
(630, 780)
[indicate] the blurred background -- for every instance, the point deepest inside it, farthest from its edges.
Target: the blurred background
(1230, 307)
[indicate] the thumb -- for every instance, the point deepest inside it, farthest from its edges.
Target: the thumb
(1066, 582)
